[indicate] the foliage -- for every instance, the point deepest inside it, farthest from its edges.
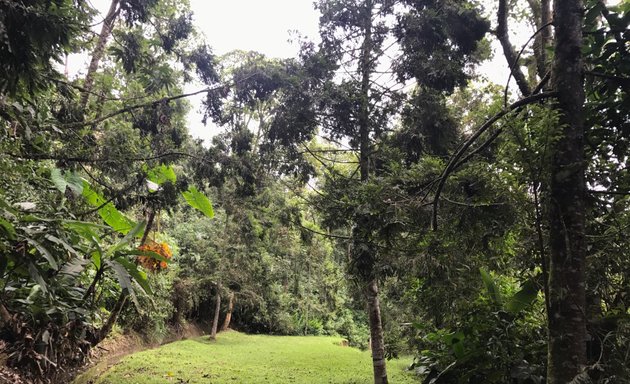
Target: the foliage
(489, 342)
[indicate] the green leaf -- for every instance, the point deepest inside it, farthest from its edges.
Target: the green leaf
(74, 267)
(44, 252)
(493, 290)
(456, 341)
(7, 229)
(75, 183)
(523, 298)
(37, 276)
(63, 243)
(112, 216)
(124, 279)
(161, 174)
(138, 229)
(96, 258)
(84, 229)
(139, 276)
(151, 254)
(198, 201)
(58, 180)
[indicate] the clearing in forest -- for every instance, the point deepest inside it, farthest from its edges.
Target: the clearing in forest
(239, 358)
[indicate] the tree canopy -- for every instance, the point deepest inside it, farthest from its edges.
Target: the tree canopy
(375, 186)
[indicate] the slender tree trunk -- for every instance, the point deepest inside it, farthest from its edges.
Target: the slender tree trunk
(545, 35)
(376, 334)
(102, 333)
(363, 256)
(217, 308)
(567, 325)
(97, 55)
(541, 11)
(228, 315)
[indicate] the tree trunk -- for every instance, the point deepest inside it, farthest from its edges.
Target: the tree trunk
(365, 255)
(102, 333)
(541, 11)
(376, 334)
(97, 55)
(228, 315)
(567, 325)
(217, 308)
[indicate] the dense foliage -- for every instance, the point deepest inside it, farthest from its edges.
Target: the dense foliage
(373, 187)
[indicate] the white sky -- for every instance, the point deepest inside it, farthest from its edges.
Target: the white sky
(263, 26)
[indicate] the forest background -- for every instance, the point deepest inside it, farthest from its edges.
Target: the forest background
(372, 186)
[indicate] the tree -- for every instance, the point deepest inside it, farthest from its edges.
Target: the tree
(567, 187)
(356, 106)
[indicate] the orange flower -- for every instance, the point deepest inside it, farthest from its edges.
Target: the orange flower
(150, 263)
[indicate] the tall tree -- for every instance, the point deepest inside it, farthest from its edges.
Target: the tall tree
(567, 188)
(373, 48)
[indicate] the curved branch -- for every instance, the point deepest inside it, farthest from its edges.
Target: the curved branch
(454, 161)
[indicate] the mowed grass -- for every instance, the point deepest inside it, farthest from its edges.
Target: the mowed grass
(239, 358)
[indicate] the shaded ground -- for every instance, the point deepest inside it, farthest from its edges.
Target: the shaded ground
(240, 358)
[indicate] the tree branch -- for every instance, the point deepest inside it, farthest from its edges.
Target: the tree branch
(508, 49)
(96, 160)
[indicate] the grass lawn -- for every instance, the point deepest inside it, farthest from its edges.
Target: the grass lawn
(238, 358)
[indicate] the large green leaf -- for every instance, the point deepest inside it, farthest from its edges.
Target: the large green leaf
(37, 276)
(74, 267)
(124, 279)
(58, 180)
(67, 180)
(491, 287)
(198, 201)
(138, 229)
(139, 276)
(108, 212)
(63, 243)
(88, 231)
(75, 182)
(161, 174)
(523, 298)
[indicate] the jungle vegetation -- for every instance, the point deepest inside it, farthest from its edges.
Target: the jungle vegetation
(373, 187)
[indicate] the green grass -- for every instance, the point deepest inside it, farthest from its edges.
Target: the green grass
(238, 358)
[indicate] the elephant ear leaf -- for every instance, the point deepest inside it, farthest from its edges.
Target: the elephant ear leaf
(198, 201)
(68, 180)
(523, 298)
(58, 180)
